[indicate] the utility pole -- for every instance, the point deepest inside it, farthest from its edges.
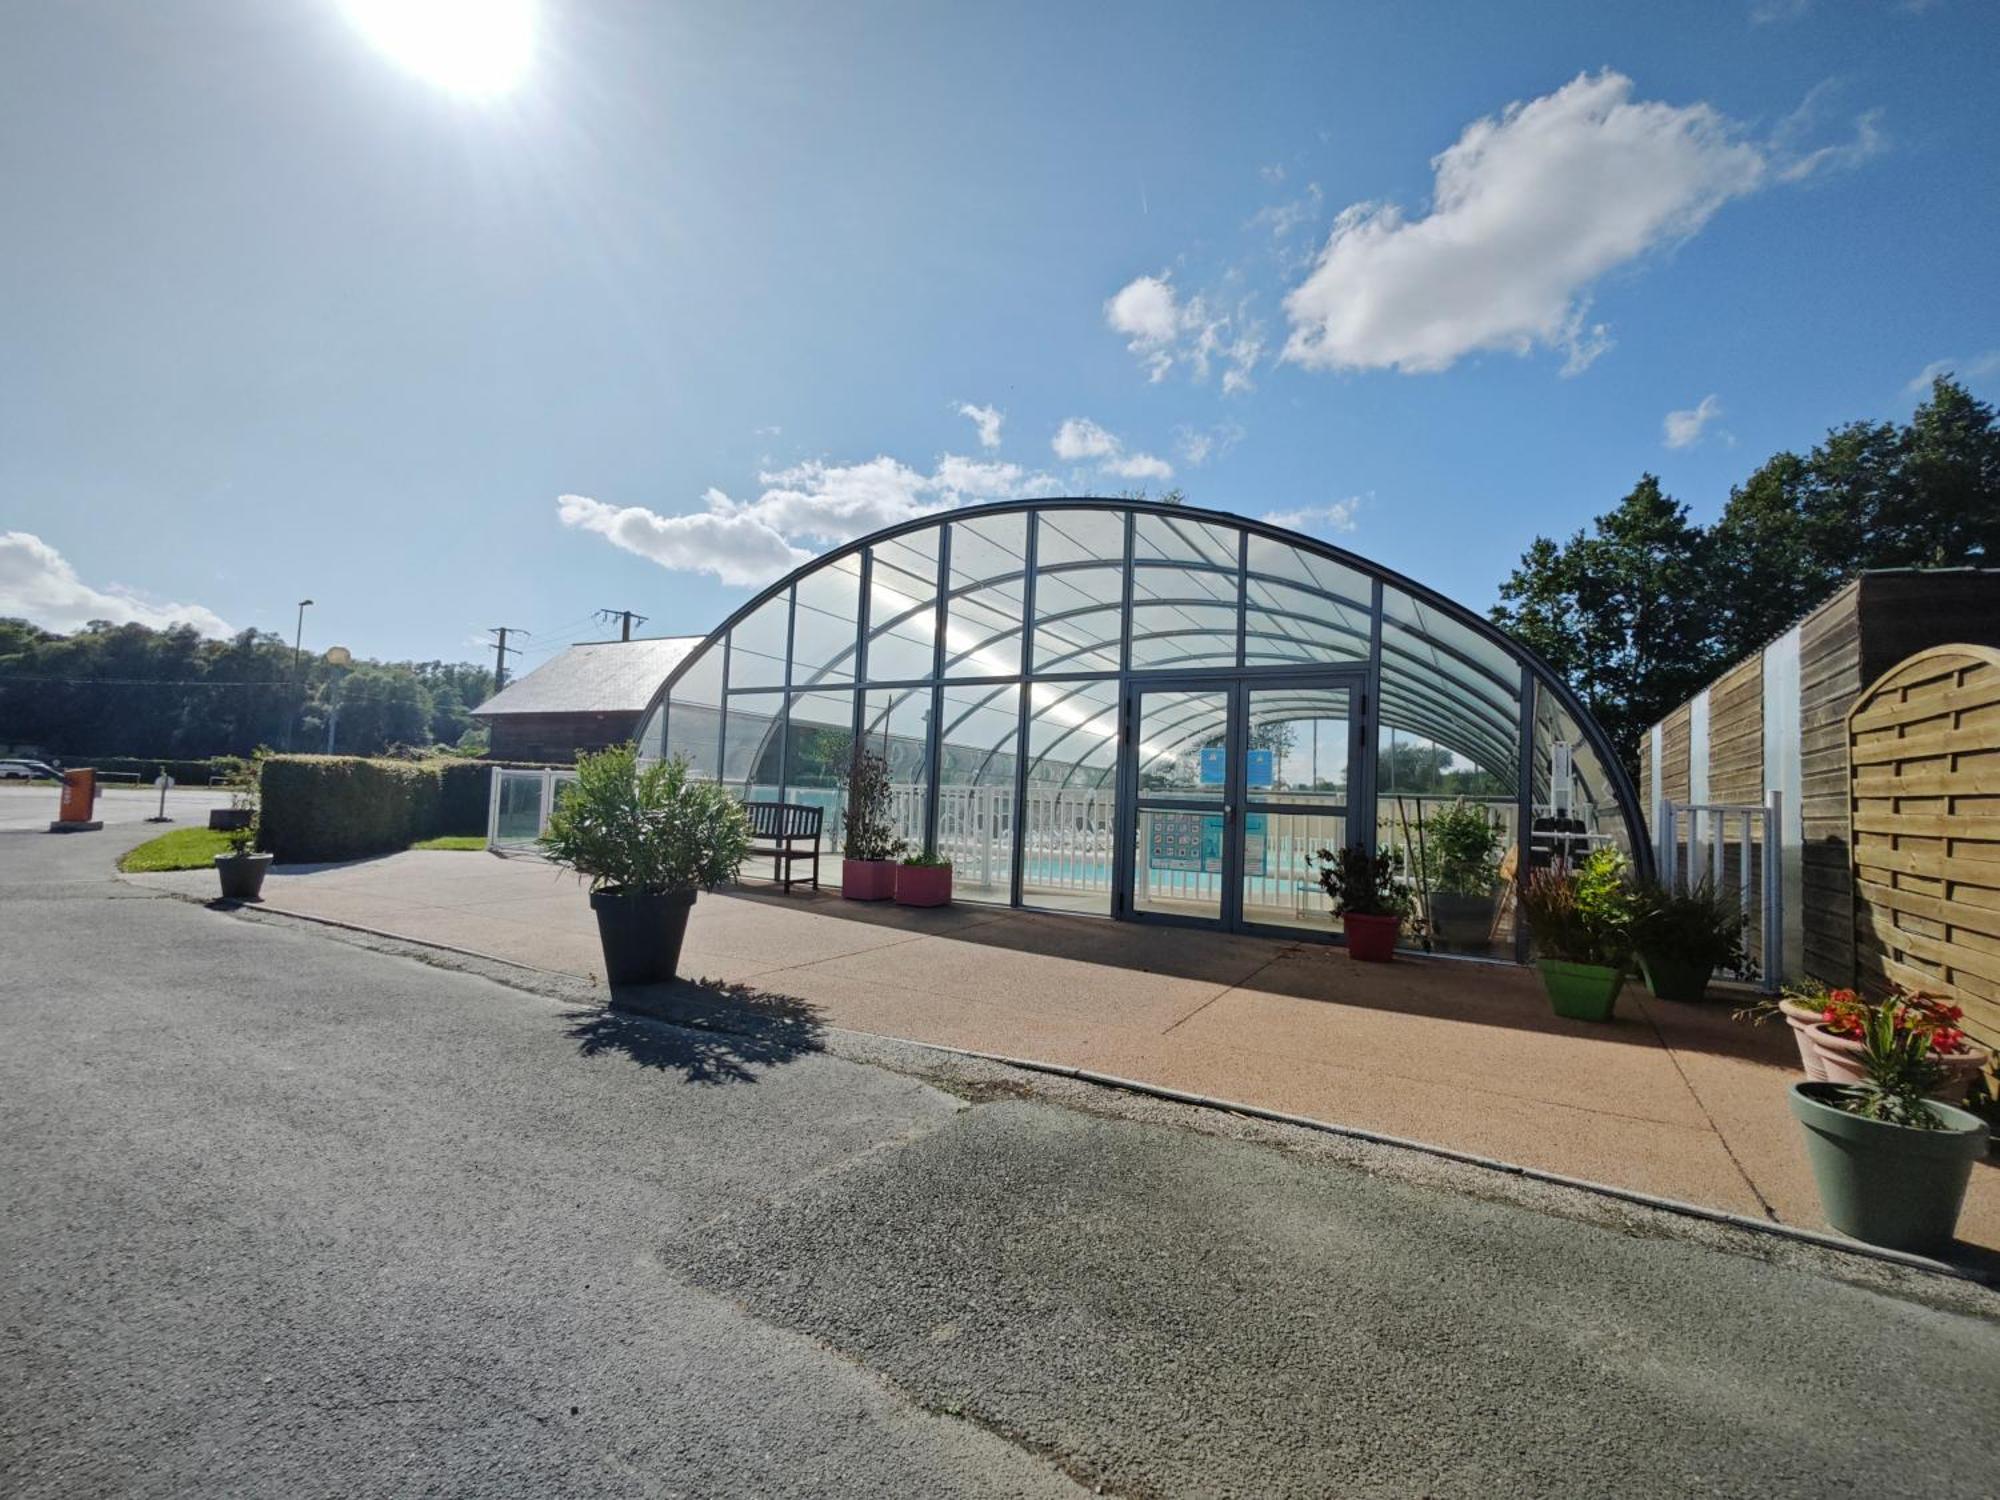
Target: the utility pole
(626, 615)
(501, 650)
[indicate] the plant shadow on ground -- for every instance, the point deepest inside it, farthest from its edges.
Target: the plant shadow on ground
(708, 1033)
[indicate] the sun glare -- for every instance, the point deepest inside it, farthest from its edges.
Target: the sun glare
(472, 47)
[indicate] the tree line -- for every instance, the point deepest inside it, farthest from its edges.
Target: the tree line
(1645, 607)
(131, 690)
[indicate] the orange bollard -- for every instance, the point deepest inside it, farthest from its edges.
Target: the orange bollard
(79, 800)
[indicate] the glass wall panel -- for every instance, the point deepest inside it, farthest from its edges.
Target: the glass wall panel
(752, 745)
(1452, 825)
(694, 715)
(828, 623)
(896, 725)
(819, 744)
(1299, 741)
(1067, 824)
(902, 607)
(1179, 539)
(976, 758)
(982, 632)
(1177, 859)
(1182, 750)
(1575, 808)
(1303, 608)
(757, 645)
(1183, 616)
(1281, 868)
(1079, 590)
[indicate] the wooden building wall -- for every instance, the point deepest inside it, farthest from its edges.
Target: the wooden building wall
(1829, 680)
(1736, 768)
(556, 737)
(1674, 782)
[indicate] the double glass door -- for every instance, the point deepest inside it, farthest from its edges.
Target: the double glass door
(1233, 786)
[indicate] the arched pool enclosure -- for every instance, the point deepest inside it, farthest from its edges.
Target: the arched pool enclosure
(1152, 712)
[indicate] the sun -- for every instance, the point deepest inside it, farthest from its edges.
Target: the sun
(470, 47)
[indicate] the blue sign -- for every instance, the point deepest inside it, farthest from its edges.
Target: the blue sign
(1215, 767)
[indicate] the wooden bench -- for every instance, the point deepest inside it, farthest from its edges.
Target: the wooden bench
(777, 832)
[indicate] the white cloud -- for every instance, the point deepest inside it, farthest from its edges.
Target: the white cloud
(1080, 439)
(801, 510)
(1683, 429)
(1770, 12)
(1283, 218)
(1274, 173)
(1163, 330)
(1336, 515)
(38, 584)
(1976, 368)
(987, 419)
(1796, 159)
(1140, 466)
(1197, 446)
(1529, 209)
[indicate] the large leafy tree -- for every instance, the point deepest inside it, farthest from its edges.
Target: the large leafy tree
(1620, 609)
(1643, 609)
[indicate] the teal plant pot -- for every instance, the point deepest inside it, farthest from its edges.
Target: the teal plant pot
(1581, 992)
(1887, 1184)
(1670, 978)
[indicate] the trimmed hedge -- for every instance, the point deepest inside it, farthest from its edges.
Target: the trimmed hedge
(324, 807)
(327, 807)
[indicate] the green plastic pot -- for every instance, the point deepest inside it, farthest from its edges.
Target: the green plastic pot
(1885, 1184)
(1670, 978)
(1581, 992)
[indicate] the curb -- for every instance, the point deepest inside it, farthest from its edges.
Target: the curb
(1770, 1228)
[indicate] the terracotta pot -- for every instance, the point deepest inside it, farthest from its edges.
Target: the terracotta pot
(923, 885)
(1840, 1060)
(1371, 939)
(868, 879)
(1804, 1020)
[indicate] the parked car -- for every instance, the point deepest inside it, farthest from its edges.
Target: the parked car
(28, 770)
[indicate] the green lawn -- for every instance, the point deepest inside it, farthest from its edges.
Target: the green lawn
(183, 849)
(470, 842)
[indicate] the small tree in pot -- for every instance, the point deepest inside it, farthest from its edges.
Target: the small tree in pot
(1462, 847)
(1891, 1165)
(870, 848)
(242, 870)
(647, 838)
(1683, 937)
(1582, 925)
(1370, 904)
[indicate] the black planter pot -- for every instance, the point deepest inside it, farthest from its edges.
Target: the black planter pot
(641, 933)
(1461, 924)
(224, 819)
(242, 875)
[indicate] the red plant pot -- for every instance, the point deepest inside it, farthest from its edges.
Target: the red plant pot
(1371, 939)
(923, 885)
(868, 879)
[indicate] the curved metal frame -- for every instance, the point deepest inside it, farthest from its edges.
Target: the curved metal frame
(1536, 673)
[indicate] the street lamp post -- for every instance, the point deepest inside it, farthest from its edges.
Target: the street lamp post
(298, 640)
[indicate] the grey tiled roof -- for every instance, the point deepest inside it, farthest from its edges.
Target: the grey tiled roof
(595, 677)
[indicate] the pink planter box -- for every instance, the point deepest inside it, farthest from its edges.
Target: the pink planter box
(868, 879)
(923, 885)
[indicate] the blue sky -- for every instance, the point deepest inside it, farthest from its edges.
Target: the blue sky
(287, 316)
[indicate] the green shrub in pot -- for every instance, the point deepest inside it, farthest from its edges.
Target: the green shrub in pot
(1683, 937)
(1462, 845)
(1581, 919)
(647, 837)
(1367, 899)
(1890, 1163)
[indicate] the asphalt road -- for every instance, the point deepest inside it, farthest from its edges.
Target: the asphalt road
(288, 1216)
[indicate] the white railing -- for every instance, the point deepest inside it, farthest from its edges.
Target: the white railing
(518, 805)
(1730, 844)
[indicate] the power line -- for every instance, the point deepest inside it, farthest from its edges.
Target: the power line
(501, 650)
(626, 615)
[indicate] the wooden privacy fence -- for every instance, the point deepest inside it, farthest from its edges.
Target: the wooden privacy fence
(1923, 755)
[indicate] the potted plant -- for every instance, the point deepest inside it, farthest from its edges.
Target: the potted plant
(1462, 846)
(923, 880)
(1840, 1039)
(870, 848)
(239, 776)
(1891, 1165)
(647, 838)
(243, 868)
(1683, 937)
(1370, 904)
(1801, 1007)
(1581, 920)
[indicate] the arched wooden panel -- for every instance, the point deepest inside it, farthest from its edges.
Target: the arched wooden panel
(1923, 765)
